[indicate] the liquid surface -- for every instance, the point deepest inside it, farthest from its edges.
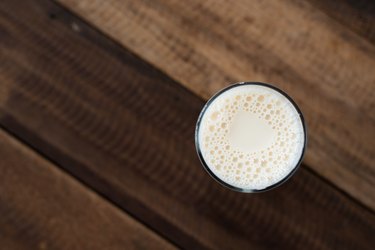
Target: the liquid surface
(251, 136)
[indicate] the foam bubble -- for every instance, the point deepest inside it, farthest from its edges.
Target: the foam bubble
(255, 133)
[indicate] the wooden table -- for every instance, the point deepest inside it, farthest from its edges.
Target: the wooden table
(98, 103)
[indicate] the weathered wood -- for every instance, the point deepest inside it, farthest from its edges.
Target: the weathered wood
(126, 130)
(325, 66)
(43, 208)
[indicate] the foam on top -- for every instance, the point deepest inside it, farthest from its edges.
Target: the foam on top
(251, 136)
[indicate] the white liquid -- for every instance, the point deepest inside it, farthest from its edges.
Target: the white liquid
(251, 137)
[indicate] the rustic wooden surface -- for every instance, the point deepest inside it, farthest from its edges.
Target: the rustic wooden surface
(43, 208)
(125, 130)
(320, 52)
(356, 15)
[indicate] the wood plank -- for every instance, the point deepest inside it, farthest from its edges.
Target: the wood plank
(357, 15)
(126, 130)
(324, 66)
(43, 208)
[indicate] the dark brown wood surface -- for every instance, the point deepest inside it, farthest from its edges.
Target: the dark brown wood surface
(357, 15)
(320, 52)
(43, 208)
(125, 130)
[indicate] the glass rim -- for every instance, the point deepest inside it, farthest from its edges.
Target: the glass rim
(205, 165)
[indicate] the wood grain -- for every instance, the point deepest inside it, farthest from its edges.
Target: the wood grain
(358, 15)
(325, 66)
(43, 208)
(126, 130)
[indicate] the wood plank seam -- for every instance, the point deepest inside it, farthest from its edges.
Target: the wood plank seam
(61, 215)
(169, 36)
(50, 154)
(118, 43)
(235, 222)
